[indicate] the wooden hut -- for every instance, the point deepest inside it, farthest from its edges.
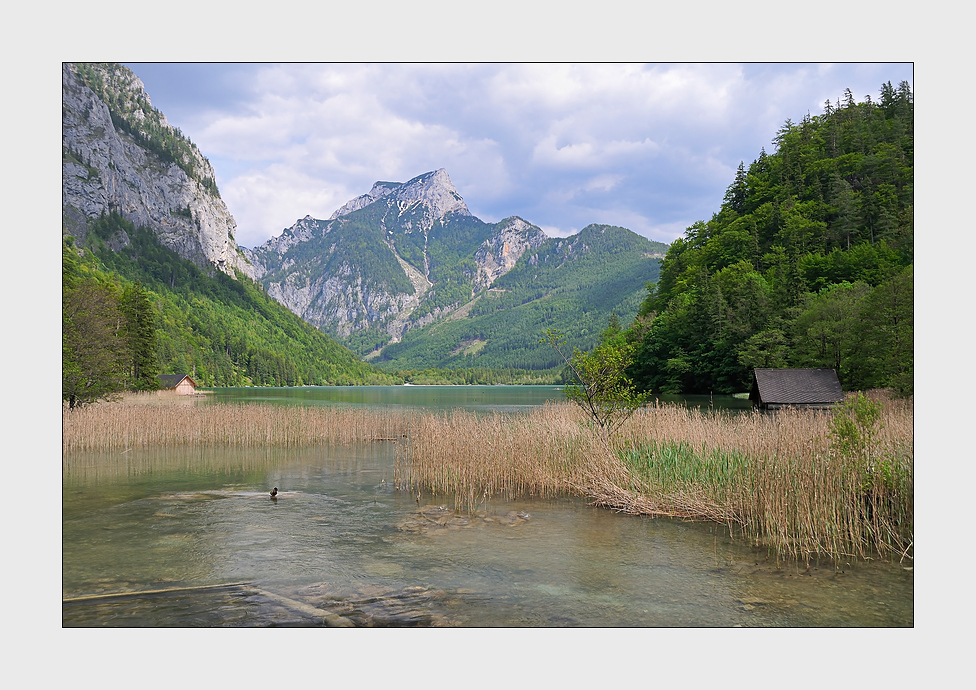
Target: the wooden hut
(181, 383)
(776, 388)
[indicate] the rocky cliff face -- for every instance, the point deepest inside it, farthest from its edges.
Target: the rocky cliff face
(498, 254)
(119, 154)
(399, 257)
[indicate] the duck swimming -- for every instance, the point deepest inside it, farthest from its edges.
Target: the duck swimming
(274, 492)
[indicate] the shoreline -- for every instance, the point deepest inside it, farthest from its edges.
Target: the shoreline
(778, 478)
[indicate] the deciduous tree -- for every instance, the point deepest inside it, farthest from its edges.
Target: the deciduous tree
(602, 389)
(93, 355)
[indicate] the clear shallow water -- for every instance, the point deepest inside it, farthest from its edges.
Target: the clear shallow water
(340, 540)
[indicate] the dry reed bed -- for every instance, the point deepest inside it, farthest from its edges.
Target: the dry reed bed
(774, 477)
(791, 488)
(542, 453)
(137, 425)
(93, 466)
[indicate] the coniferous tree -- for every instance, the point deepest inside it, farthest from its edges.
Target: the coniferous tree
(805, 241)
(140, 331)
(735, 197)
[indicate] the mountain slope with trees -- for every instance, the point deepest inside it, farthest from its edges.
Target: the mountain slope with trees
(220, 330)
(573, 284)
(153, 281)
(405, 276)
(808, 263)
(119, 154)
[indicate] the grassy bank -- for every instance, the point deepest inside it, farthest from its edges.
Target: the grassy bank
(803, 483)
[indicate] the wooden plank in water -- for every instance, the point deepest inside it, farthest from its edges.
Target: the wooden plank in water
(142, 593)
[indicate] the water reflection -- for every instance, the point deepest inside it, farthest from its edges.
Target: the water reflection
(339, 541)
(475, 398)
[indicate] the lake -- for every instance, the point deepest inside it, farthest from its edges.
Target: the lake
(475, 398)
(190, 537)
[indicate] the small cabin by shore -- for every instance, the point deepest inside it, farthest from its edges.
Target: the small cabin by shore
(773, 389)
(180, 383)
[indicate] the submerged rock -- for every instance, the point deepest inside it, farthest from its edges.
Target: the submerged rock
(441, 517)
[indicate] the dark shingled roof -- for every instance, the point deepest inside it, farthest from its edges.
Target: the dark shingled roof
(796, 387)
(173, 380)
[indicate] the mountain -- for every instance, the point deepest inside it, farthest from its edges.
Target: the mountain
(142, 215)
(391, 264)
(120, 154)
(397, 258)
(572, 284)
(403, 275)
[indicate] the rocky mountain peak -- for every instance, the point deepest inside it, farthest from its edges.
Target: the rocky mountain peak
(436, 189)
(500, 252)
(433, 189)
(379, 190)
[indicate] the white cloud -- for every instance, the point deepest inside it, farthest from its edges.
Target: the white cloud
(543, 141)
(590, 154)
(264, 202)
(553, 231)
(603, 183)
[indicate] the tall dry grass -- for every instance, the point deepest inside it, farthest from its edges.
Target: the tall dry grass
(475, 457)
(781, 479)
(136, 424)
(776, 479)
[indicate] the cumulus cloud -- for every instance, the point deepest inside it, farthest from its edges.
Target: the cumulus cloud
(649, 147)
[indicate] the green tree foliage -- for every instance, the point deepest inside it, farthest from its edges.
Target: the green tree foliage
(108, 335)
(140, 333)
(855, 425)
(809, 242)
(220, 330)
(884, 336)
(600, 386)
(824, 330)
(92, 351)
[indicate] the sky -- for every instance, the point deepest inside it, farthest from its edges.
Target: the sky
(649, 147)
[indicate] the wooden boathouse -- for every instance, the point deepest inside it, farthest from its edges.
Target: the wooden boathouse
(773, 389)
(180, 383)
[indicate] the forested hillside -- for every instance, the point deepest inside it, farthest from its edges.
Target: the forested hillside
(220, 330)
(572, 284)
(809, 262)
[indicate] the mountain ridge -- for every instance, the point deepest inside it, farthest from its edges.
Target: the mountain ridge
(395, 261)
(571, 284)
(407, 256)
(372, 264)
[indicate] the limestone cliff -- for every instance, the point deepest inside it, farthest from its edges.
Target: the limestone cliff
(499, 253)
(120, 154)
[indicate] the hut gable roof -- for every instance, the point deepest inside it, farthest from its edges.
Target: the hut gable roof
(173, 380)
(796, 387)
